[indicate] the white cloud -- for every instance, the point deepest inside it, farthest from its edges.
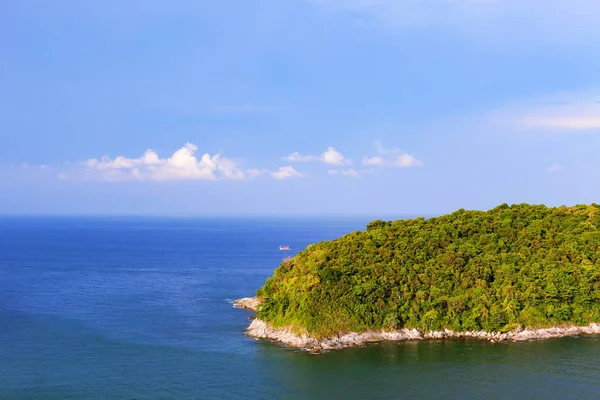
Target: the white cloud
(375, 161)
(332, 157)
(229, 169)
(574, 111)
(149, 158)
(558, 113)
(565, 122)
(182, 165)
(379, 161)
(286, 173)
(351, 173)
(554, 168)
(253, 173)
(403, 160)
(297, 157)
(406, 161)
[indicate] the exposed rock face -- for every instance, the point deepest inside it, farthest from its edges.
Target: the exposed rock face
(557, 331)
(248, 303)
(262, 330)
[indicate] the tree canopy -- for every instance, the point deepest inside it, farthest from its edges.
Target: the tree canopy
(468, 270)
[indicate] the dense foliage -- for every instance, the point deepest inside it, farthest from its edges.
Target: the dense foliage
(469, 270)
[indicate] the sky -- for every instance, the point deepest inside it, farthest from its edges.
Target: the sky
(297, 107)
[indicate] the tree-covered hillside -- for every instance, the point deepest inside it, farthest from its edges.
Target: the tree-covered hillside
(469, 270)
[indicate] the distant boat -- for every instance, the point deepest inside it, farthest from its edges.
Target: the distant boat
(284, 248)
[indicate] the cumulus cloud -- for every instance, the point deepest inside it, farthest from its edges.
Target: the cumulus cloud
(406, 161)
(286, 173)
(149, 158)
(182, 165)
(554, 168)
(332, 157)
(403, 160)
(253, 173)
(297, 157)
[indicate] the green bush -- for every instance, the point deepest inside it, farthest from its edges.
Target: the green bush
(469, 270)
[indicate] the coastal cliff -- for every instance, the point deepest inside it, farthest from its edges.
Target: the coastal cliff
(260, 329)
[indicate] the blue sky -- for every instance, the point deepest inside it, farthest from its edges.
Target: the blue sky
(297, 107)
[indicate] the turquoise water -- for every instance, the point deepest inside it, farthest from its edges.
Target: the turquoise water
(139, 308)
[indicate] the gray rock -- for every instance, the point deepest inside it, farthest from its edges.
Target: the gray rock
(248, 303)
(261, 330)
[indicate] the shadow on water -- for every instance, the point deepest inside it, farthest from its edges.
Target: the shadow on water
(455, 369)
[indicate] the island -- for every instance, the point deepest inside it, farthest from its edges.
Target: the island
(517, 272)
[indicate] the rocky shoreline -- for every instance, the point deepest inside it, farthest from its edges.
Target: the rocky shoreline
(262, 330)
(247, 303)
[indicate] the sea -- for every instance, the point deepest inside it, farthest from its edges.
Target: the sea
(141, 308)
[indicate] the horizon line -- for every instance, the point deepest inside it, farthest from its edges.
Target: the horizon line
(213, 215)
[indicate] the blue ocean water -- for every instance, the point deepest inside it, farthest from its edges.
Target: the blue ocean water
(140, 308)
